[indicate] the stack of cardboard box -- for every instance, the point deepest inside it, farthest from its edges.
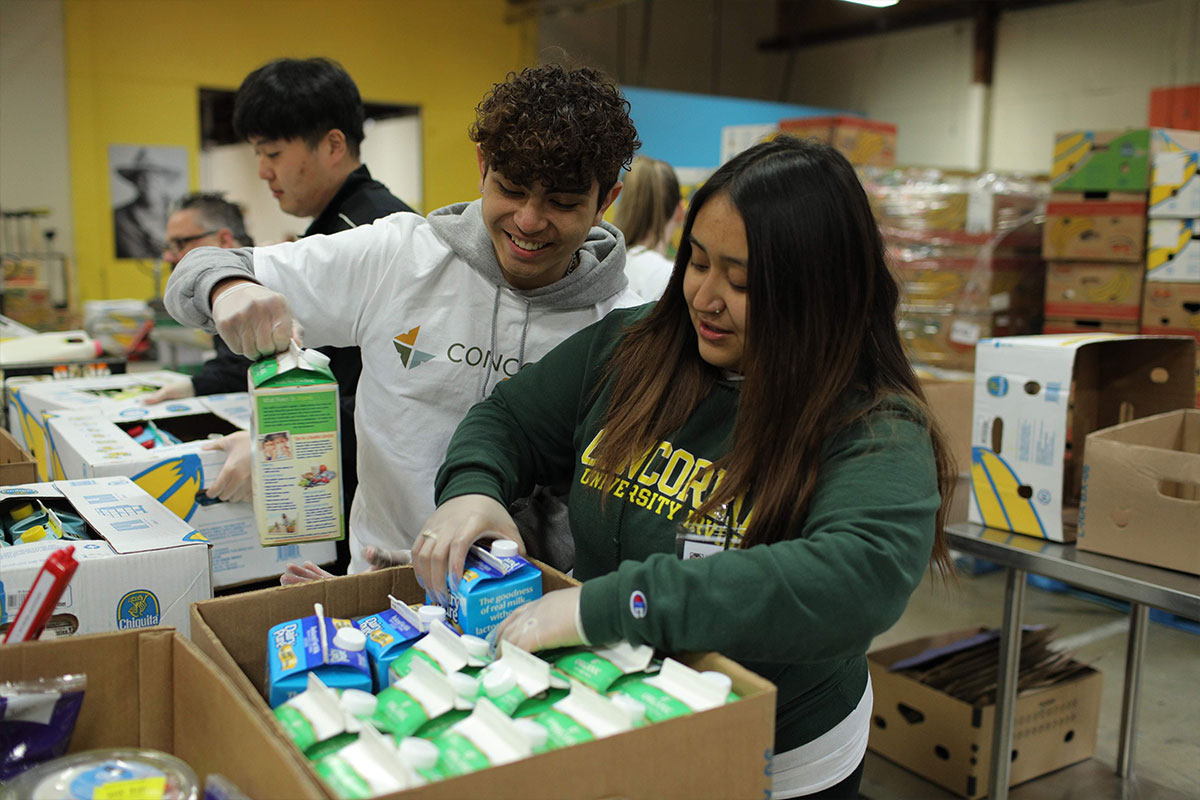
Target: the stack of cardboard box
(1121, 233)
(965, 248)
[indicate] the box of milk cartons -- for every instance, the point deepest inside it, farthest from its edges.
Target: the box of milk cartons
(296, 448)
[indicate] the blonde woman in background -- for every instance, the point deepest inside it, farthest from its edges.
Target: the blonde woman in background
(649, 211)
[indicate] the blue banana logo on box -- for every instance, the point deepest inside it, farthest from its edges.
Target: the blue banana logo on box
(997, 385)
(138, 609)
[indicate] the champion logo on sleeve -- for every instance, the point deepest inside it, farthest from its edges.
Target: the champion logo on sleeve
(637, 604)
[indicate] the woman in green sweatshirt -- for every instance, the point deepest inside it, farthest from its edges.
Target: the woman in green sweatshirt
(761, 421)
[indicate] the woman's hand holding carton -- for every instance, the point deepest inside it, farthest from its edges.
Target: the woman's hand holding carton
(441, 550)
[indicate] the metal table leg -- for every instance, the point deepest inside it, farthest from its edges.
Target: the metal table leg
(1139, 616)
(1006, 689)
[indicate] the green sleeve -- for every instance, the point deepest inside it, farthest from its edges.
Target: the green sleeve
(823, 594)
(523, 434)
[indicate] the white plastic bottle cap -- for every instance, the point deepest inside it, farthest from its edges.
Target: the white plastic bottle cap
(316, 358)
(429, 615)
(535, 733)
(632, 708)
(464, 685)
(498, 680)
(420, 753)
(351, 639)
(504, 548)
(718, 679)
(477, 647)
(358, 703)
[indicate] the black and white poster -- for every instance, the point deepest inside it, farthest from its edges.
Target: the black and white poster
(144, 183)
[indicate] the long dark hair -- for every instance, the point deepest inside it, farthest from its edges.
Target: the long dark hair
(821, 329)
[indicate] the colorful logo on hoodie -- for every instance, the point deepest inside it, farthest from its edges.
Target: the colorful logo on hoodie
(406, 346)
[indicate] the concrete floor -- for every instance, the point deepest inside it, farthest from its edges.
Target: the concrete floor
(1167, 747)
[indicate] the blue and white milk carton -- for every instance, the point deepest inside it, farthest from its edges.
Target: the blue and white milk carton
(332, 648)
(389, 633)
(493, 584)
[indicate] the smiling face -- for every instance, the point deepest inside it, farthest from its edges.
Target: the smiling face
(535, 230)
(714, 284)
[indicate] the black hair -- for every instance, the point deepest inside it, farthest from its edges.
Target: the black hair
(291, 98)
(216, 212)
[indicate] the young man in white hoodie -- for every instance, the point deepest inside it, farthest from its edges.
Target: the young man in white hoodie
(445, 307)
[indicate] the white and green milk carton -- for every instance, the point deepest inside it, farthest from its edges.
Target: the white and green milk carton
(296, 448)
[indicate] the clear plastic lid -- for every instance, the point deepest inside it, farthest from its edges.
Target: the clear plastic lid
(498, 680)
(429, 615)
(420, 753)
(358, 703)
(82, 776)
(351, 639)
(718, 679)
(536, 734)
(632, 708)
(504, 548)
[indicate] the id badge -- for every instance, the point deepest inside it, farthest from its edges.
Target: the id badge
(705, 539)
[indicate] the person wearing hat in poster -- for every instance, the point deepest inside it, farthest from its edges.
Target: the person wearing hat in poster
(139, 225)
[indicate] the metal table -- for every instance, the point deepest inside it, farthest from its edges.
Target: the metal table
(1143, 586)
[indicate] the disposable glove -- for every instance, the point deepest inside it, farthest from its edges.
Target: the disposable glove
(253, 320)
(233, 485)
(441, 549)
(376, 558)
(176, 390)
(551, 621)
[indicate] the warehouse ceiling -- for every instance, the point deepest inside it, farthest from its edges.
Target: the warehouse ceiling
(803, 23)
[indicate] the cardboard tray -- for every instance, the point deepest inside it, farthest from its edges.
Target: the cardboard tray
(658, 761)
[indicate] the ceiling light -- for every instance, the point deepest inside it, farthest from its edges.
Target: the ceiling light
(873, 3)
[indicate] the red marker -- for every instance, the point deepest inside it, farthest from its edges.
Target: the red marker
(39, 604)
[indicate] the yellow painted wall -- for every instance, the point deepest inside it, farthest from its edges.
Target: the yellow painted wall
(134, 68)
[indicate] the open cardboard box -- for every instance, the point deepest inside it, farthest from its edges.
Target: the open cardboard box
(1141, 491)
(1036, 400)
(154, 689)
(16, 464)
(658, 761)
(949, 741)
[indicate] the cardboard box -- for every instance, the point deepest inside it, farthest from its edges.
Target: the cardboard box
(946, 285)
(143, 571)
(950, 401)
(16, 464)
(1171, 309)
(1173, 250)
(155, 689)
(1176, 107)
(295, 450)
(1095, 226)
(1115, 161)
(1083, 325)
(950, 742)
(860, 140)
(1141, 491)
(736, 138)
(1175, 191)
(95, 442)
(1038, 397)
(28, 399)
(1094, 290)
(657, 761)
(947, 340)
(55, 370)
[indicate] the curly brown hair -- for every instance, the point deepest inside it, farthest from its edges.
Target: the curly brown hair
(557, 127)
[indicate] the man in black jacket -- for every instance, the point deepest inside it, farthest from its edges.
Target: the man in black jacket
(304, 118)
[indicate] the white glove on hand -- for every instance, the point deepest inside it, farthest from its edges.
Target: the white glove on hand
(303, 573)
(253, 320)
(172, 391)
(550, 621)
(378, 558)
(233, 485)
(441, 549)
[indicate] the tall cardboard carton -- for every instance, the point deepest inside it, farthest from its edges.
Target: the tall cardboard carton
(1095, 226)
(1121, 161)
(1141, 491)
(1173, 250)
(1037, 398)
(296, 452)
(1171, 308)
(1094, 290)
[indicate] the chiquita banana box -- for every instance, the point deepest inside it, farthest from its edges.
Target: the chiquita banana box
(296, 448)
(164, 448)
(1037, 398)
(1173, 251)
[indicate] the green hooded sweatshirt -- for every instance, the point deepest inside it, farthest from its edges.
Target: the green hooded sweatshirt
(801, 612)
